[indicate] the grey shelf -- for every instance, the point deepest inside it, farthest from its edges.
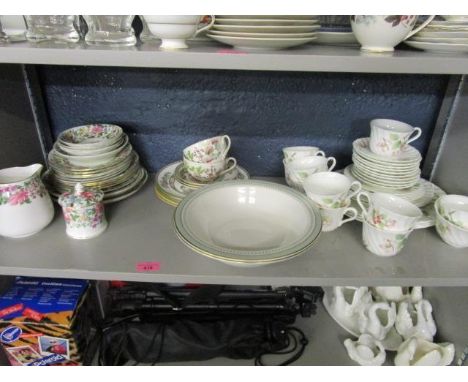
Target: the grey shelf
(141, 229)
(207, 55)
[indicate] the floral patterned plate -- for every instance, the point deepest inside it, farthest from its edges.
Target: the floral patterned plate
(184, 178)
(409, 155)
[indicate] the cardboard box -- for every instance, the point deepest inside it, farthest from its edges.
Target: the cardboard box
(38, 321)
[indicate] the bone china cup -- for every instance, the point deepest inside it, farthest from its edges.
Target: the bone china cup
(383, 33)
(388, 212)
(330, 189)
(207, 172)
(383, 243)
(294, 152)
(449, 232)
(454, 208)
(301, 168)
(389, 137)
(332, 218)
(210, 149)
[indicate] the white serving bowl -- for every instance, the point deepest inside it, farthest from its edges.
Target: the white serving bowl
(449, 232)
(454, 208)
(248, 221)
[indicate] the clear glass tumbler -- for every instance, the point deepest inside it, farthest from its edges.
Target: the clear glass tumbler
(59, 28)
(110, 30)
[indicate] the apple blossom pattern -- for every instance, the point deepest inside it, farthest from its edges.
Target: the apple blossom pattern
(381, 220)
(395, 245)
(394, 144)
(24, 193)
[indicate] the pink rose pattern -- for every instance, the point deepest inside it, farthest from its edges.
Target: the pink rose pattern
(90, 214)
(94, 131)
(19, 194)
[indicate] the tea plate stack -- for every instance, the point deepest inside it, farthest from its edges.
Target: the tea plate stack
(98, 156)
(449, 35)
(263, 31)
(173, 183)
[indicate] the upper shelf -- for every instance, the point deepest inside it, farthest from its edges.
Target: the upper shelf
(206, 55)
(140, 229)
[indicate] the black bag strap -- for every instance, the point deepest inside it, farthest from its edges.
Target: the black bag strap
(302, 342)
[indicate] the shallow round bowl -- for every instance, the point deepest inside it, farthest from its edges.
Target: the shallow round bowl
(449, 232)
(248, 221)
(91, 136)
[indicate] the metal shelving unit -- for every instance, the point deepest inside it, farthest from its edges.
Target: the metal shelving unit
(206, 55)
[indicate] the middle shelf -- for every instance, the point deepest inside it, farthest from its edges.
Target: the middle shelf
(141, 229)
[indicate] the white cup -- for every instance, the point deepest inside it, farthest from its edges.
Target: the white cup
(294, 152)
(383, 243)
(330, 189)
(300, 169)
(389, 137)
(388, 212)
(332, 218)
(174, 30)
(383, 33)
(207, 172)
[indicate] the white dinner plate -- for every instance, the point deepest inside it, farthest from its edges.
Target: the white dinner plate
(336, 38)
(447, 40)
(270, 22)
(437, 34)
(438, 47)
(261, 43)
(266, 28)
(262, 35)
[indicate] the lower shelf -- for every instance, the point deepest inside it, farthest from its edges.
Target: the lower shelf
(140, 229)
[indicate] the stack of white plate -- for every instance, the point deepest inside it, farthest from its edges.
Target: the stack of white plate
(264, 32)
(387, 173)
(449, 35)
(98, 156)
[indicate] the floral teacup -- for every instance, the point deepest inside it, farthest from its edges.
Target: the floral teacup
(332, 218)
(389, 137)
(454, 208)
(330, 189)
(388, 212)
(300, 169)
(294, 152)
(208, 150)
(207, 172)
(383, 243)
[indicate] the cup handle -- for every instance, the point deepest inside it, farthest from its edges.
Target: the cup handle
(320, 153)
(206, 26)
(352, 217)
(333, 163)
(357, 188)
(228, 144)
(423, 25)
(365, 211)
(234, 164)
(418, 134)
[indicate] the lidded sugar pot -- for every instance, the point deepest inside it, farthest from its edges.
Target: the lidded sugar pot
(83, 210)
(25, 204)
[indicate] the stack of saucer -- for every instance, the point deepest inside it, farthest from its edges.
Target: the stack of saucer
(203, 163)
(98, 156)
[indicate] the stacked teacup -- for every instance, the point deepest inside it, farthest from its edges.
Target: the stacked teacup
(207, 160)
(452, 219)
(388, 220)
(332, 193)
(302, 161)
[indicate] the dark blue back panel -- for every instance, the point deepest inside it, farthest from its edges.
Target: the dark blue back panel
(164, 110)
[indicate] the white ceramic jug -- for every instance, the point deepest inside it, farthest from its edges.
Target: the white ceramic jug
(416, 320)
(25, 204)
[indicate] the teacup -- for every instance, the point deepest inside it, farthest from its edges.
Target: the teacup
(450, 233)
(294, 152)
(206, 172)
(389, 137)
(330, 189)
(454, 208)
(383, 243)
(388, 212)
(332, 218)
(174, 30)
(383, 33)
(300, 169)
(208, 150)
